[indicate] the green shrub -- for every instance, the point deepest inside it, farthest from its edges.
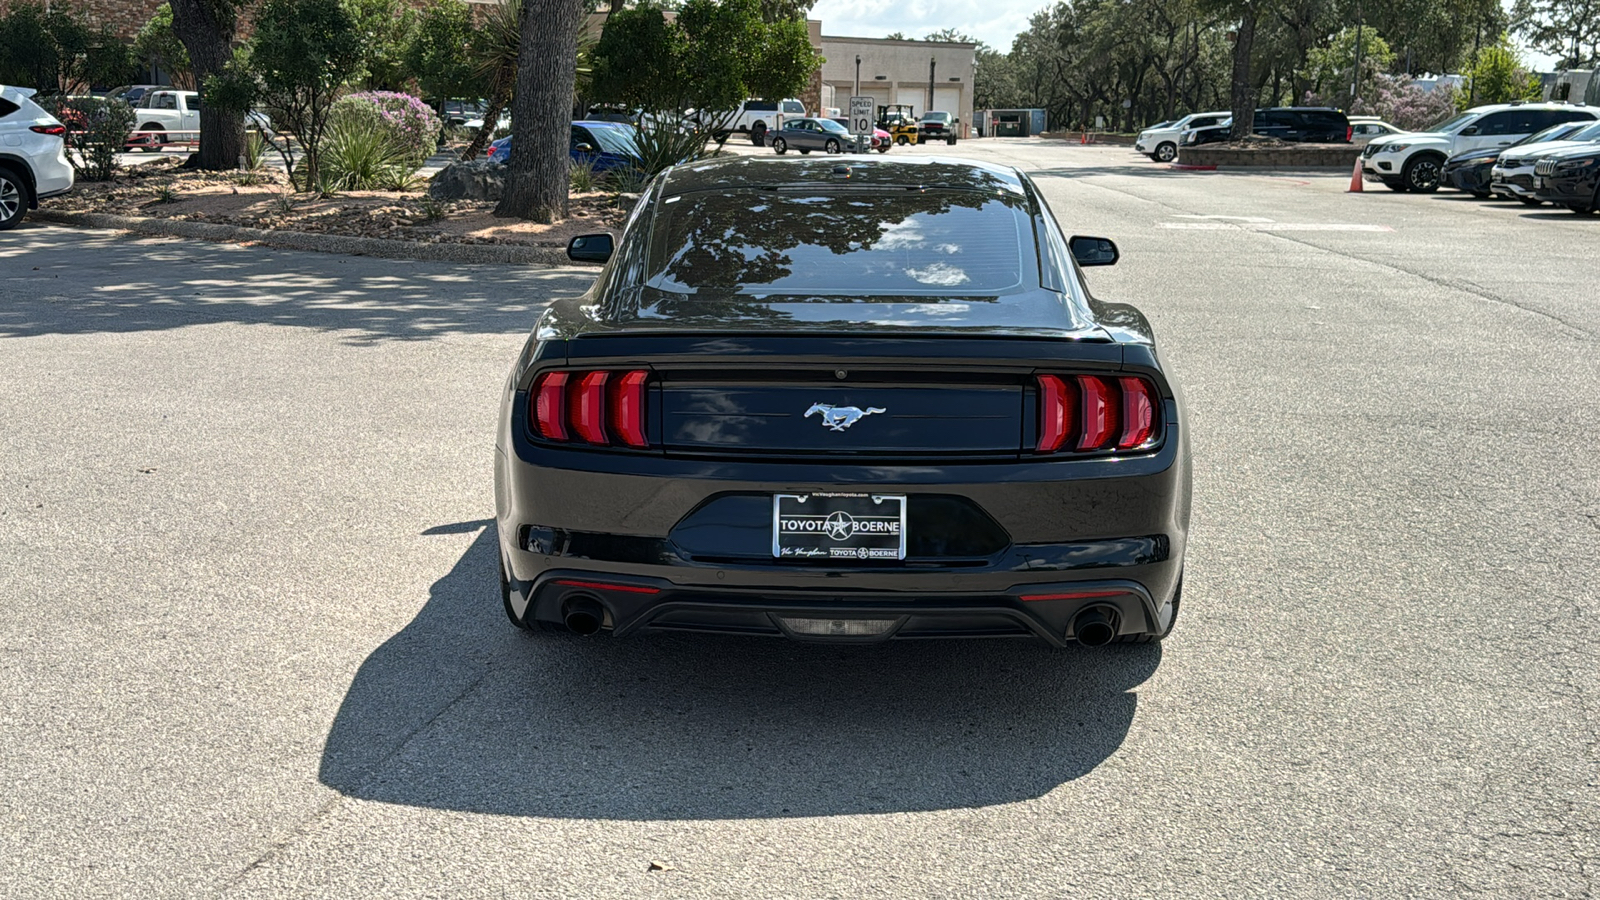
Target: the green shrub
(97, 130)
(360, 155)
(583, 178)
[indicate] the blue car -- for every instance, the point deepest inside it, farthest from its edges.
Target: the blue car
(601, 145)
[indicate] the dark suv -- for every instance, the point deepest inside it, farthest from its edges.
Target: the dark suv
(1297, 124)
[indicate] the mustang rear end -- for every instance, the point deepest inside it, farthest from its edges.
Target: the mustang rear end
(843, 406)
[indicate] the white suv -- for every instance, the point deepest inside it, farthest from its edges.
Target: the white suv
(1414, 162)
(33, 155)
(1160, 142)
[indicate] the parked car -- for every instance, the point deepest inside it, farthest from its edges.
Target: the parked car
(810, 134)
(755, 118)
(881, 141)
(171, 116)
(1296, 124)
(937, 126)
(1512, 176)
(790, 365)
(1366, 128)
(33, 155)
(1570, 178)
(1415, 162)
(1160, 142)
(602, 146)
(132, 93)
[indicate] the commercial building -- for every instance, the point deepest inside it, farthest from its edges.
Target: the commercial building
(925, 75)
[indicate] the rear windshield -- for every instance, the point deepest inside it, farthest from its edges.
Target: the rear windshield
(867, 243)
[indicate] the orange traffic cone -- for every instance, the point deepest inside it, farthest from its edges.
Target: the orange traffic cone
(1355, 178)
(1083, 138)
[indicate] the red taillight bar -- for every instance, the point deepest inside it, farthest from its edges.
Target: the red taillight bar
(1099, 413)
(1090, 413)
(589, 413)
(59, 131)
(1073, 595)
(596, 407)
(1055, 413)
(550, 405)
(1138, 413)
(627, 409)
(603, 586)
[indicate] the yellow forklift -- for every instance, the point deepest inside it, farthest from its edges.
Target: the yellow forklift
(900, 121)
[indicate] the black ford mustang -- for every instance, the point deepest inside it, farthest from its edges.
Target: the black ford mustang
(844, 401)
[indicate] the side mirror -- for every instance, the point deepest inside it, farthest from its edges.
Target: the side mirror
(1469, 131)
(591, 248)
(1093, 251)
(584, 148)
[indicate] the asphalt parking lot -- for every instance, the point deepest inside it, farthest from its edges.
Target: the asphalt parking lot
(251, 644)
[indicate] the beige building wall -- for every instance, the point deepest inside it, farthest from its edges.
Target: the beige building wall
(897, 72)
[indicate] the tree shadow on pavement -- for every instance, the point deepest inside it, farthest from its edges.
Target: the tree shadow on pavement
(461, 711)
(75, 281)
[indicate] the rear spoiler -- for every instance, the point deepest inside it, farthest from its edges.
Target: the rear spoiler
(24, 92)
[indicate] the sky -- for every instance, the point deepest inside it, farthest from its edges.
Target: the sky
(995, 22)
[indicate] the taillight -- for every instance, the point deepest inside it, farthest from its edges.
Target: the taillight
(59, 131)
(1349, 132)
(596, 407)
(1088, 413)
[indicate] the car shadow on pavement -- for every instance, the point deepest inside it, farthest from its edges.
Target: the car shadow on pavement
(461, 711)
(76, 281)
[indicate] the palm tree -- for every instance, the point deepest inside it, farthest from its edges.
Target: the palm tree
(495, 47)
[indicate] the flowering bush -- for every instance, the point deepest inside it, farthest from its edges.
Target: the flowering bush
(409, 123)
(1399, 101)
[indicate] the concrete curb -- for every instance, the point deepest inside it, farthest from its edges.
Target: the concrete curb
(322, 243)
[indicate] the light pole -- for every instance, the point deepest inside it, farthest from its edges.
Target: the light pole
(932, 61)
(858, 76)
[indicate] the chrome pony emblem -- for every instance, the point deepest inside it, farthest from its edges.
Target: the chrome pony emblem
(839, 418)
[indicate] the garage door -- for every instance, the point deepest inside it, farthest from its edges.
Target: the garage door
(947, 100)
(916, 98)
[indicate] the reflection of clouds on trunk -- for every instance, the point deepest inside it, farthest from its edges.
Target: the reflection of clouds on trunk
(939, 274)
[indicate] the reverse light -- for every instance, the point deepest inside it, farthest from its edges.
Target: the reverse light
(596, 407)
(1090, 413)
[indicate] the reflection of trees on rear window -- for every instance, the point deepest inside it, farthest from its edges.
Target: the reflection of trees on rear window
(839, 242)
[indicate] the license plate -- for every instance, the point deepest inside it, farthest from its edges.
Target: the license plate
(839, 526)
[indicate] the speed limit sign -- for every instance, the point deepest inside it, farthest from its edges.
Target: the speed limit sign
(861, 109)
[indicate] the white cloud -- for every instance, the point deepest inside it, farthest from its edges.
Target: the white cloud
(995, 23)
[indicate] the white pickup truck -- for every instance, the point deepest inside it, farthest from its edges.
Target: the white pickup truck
(165, 117)
(756, 118)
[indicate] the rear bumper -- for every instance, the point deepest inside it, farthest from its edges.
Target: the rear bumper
(693, 537)
(654, 604)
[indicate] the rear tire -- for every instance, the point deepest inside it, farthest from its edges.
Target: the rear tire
(1177, 597)
(758, 134)
(780, 145)
(15, 198)
(902, 140)
(1166, 152)
(153, 140)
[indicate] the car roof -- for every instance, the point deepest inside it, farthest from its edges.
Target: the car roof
(736, 172)
(602, 123)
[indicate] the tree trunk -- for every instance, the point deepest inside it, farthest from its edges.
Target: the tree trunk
(537, 183)
(206, 29)
(498, 92)
(1244, 92)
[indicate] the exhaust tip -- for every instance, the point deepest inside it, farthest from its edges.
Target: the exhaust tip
(1096, 626)
(582, 614)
